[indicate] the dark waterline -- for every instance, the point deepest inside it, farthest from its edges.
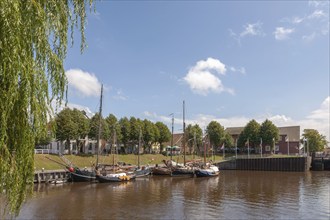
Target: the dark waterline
(232, 195)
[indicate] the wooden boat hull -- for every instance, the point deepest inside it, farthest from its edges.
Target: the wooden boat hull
(109, 179)
(182, 172)
(161, 171)
(142, 172)
(82, 176)
(207, 171)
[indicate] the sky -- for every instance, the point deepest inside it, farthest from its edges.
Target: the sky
(230, 61)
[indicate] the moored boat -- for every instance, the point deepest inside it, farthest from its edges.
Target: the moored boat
(207, 171)
(115, 177)
(161, 171)
(143, 171)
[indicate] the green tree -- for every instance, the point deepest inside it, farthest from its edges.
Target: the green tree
(150, 134)
(83, 125)
(135, 128)
(94, 128)
(66, 127)
(216, 133)
(194, 137)
(33, 45)
(114, 127)
(250, 134)
(164, 134)
(316, 141)
(125, 129)
(269, 133)
(228, 140)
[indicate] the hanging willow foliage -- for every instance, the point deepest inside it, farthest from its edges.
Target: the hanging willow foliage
(33, 45)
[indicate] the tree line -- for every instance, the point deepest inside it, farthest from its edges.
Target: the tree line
(73, 124)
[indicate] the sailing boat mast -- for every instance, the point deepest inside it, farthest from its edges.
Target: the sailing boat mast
(172, 135)
(99, 134)
(140, 135)
(184, 139)
(113, 147)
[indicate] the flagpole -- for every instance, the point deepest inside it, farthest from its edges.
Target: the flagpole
(236, 148)
(260, 147)
(248, 148)
(288, 146)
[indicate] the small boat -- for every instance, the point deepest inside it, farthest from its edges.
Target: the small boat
(142, 172)
(161, 171)
(209, 171)
(115, 177)
(182, 172)
(78, 175)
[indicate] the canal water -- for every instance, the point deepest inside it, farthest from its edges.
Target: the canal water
(232, 195)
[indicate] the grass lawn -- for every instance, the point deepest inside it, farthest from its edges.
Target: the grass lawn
(41, 161)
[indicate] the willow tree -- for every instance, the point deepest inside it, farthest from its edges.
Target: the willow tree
(33, 46)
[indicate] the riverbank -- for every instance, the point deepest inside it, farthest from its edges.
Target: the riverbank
(41, 161)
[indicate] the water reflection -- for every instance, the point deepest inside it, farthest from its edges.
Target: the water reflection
(232, 195)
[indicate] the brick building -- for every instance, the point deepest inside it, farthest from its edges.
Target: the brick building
(289, 140)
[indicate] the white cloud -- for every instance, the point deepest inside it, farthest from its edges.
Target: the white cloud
(86, 84)
(202, 79)
(316, 14)
(309, 37)
(120, 95)
(282, 33)
(58, 108)
(317, 4)
(252, 30)
(240, 70)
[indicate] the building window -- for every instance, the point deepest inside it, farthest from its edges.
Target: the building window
(267, 148)
(277, 148)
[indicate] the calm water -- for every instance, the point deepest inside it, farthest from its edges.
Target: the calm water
(232, 195)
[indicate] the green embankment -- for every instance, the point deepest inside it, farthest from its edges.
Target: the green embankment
(41, 160)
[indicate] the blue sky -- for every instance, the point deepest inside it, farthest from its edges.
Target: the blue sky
(231, 61)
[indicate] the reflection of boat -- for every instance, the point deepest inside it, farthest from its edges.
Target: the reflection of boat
(207, 171)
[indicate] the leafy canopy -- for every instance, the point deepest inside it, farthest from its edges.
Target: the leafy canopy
(33, 45)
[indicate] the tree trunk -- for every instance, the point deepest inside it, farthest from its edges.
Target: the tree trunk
(68, 145)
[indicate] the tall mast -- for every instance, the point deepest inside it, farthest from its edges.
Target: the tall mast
(194, 145)
(205, 148)
(184, 140)
(140, 135)
(113, 147)
(172, 135)
(99, 134)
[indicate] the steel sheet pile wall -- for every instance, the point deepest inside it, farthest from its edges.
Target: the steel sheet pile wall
(291, 164)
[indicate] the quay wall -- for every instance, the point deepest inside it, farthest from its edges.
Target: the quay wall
(49, 176)
(288, 164)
